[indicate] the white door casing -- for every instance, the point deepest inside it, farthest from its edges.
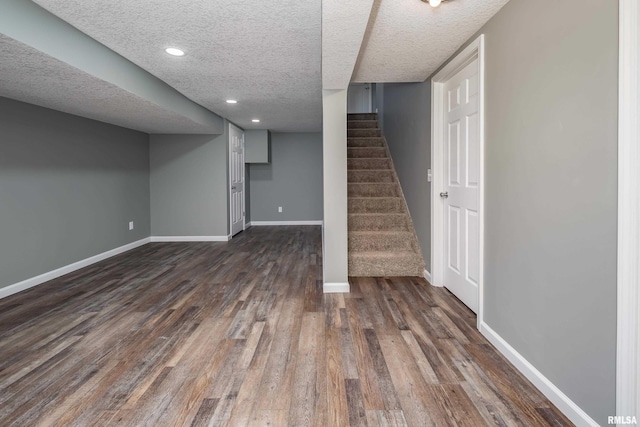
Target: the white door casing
(457, 155)
(628, 306)
(236, 179)
(359, 98)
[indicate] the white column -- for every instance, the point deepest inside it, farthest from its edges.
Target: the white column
(334, 231)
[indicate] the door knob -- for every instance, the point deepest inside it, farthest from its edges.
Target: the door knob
(444, 195)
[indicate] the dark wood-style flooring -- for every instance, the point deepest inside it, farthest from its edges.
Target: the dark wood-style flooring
(239, 333)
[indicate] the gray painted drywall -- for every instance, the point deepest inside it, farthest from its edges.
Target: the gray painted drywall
(292, 180)
(189, 185)
(68, 188)
(551, 185)
(407, 117)
(32, 25)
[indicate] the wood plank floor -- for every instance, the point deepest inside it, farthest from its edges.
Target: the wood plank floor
(239, 333)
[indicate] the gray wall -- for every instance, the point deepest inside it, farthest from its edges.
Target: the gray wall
(407, 128)
(550, 166)
(189, 185)
(292, 180)
(68, 188)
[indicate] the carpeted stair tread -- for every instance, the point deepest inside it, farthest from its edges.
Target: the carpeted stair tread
(370, 175)
(365, 142)
(382, 163)
(363, 133)
(384, 263)
(376, 205)
(366, 152)
(362, 116)
(376, 241)
(372, 189)
(378, 222)
(362, 124)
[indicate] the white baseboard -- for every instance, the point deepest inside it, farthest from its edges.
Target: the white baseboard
(553, 393)
(190, 238)
(54, 274)
(427, 275)
(260, 223)
(333, 288)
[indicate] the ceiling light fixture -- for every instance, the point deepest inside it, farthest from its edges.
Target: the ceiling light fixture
(174, 51)
(231, 101)
(255, 120)
(434, 3)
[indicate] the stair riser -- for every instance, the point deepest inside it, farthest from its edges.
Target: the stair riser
(368, 164)
(376, 205)
(366, 153)
(372, 190)
(362, 116)
(364, 142)
(390, 222)
(363, 266)
(362, 124)
(362, 133)
(385, 242)
(370, 176)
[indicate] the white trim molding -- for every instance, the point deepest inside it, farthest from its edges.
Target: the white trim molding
(54, 274)
(268, 223)
(190, 238)
(427, 275)
(334, 288)
(628, 345)
(475, 50)
(546, 387)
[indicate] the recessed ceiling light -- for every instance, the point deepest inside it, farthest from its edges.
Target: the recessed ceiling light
(174, 51)
(255, 120)
(231, 101)
(434, 3)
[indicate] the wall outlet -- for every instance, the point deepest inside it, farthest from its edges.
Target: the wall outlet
(130, 225)
(280, 209)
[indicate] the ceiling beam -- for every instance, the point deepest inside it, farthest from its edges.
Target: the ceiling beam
(32, 25)
(344, 24)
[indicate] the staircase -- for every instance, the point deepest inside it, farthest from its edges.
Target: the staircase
(382, 240)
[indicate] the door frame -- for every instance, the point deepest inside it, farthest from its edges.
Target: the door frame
(230, 149)
(470, 53)
(628, 304)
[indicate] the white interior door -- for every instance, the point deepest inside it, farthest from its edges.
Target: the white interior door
(236, 179)
(359, 98)
(462, 185)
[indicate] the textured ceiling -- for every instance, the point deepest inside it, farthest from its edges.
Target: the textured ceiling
(264, 54)
(267, 55)
(408, 40)
(34, 77)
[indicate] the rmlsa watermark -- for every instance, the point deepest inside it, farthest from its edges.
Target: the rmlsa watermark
(622, 420)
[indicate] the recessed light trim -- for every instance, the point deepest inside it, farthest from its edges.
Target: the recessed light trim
(231, 101)
(255, 120)
(174, 51)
